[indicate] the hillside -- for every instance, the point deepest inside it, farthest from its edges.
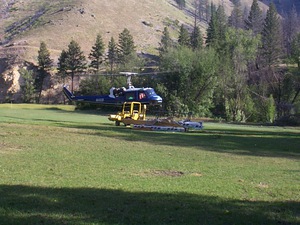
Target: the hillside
(58, 22)
(284, 7)
(24, 25)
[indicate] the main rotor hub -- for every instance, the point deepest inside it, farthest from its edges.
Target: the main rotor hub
(128, 75)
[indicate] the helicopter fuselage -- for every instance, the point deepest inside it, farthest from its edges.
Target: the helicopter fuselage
(118, 96)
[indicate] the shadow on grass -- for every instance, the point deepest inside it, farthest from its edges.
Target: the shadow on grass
(42, 205)
(239, 141)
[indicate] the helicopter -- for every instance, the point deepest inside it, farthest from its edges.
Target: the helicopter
(118, 96)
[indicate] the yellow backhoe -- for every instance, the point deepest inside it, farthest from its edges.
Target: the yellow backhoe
(130, 111)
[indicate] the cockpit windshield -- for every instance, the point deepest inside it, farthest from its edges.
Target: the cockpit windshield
(150, 92)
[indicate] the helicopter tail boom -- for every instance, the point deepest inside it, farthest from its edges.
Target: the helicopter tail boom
(68, 94)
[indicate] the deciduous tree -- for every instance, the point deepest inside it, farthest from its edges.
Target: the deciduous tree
(241, 48)
(191, 83)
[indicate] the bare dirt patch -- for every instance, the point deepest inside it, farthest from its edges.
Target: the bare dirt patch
(167, 173)
(9, 149)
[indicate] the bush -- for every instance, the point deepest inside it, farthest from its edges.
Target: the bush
(290, 120)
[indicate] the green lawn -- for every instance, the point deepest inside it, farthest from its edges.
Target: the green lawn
(60, 166)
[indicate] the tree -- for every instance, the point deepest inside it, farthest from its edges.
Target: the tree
(181, 3)
(196, 38)
(236, 17)
(271, 37)
(202, 6)
(217, 28)
(184, 37)
(97, 53)
(212, 28)
(126, 46)
(75, 60)
(241, 48)
(190, 86)
(112, 54)
(62, 64)
(166, 42)
(295, 50)
(290, 28)
(295, 53)
(44, 64)
(44, 60)
(254, 21)
(28, 89)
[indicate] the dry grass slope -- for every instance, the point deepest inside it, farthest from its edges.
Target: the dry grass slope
(58, 22)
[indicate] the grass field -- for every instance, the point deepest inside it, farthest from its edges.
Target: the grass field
(60, 166)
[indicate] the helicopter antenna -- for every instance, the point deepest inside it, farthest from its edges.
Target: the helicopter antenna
(128, 75)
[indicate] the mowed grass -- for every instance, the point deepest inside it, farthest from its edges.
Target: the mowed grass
(60, 166)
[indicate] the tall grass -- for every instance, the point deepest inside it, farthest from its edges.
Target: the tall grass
(60, 166)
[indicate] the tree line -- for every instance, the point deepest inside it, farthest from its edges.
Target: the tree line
(247, 68)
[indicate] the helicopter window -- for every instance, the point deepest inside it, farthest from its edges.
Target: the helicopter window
(130, 95)
(150, 92)
(142, 95)
(119, 91)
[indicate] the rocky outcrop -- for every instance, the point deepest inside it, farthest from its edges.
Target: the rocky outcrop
(11, 82)
(10, 85)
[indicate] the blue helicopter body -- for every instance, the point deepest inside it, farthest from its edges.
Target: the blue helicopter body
(118, 96)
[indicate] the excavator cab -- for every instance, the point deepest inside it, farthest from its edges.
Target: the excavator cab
(130, 110)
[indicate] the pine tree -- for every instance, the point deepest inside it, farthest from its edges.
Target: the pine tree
(212, 27)
(125, 47)
(203, 9)
(222, 21)
(295, 50)
(255, 19)
(271, 37)
(97, 53)
(196, 38)
(112, 54)
(74, 60)
(217, 28)
(166, 42)
(28, 86)
(45, 63)
(184, 37)
(295, 54)
(290, 28)
(44, 59)
(62, 65)
(200, 8)
(236, 17)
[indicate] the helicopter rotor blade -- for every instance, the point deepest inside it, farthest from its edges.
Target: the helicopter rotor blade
(126, 74)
